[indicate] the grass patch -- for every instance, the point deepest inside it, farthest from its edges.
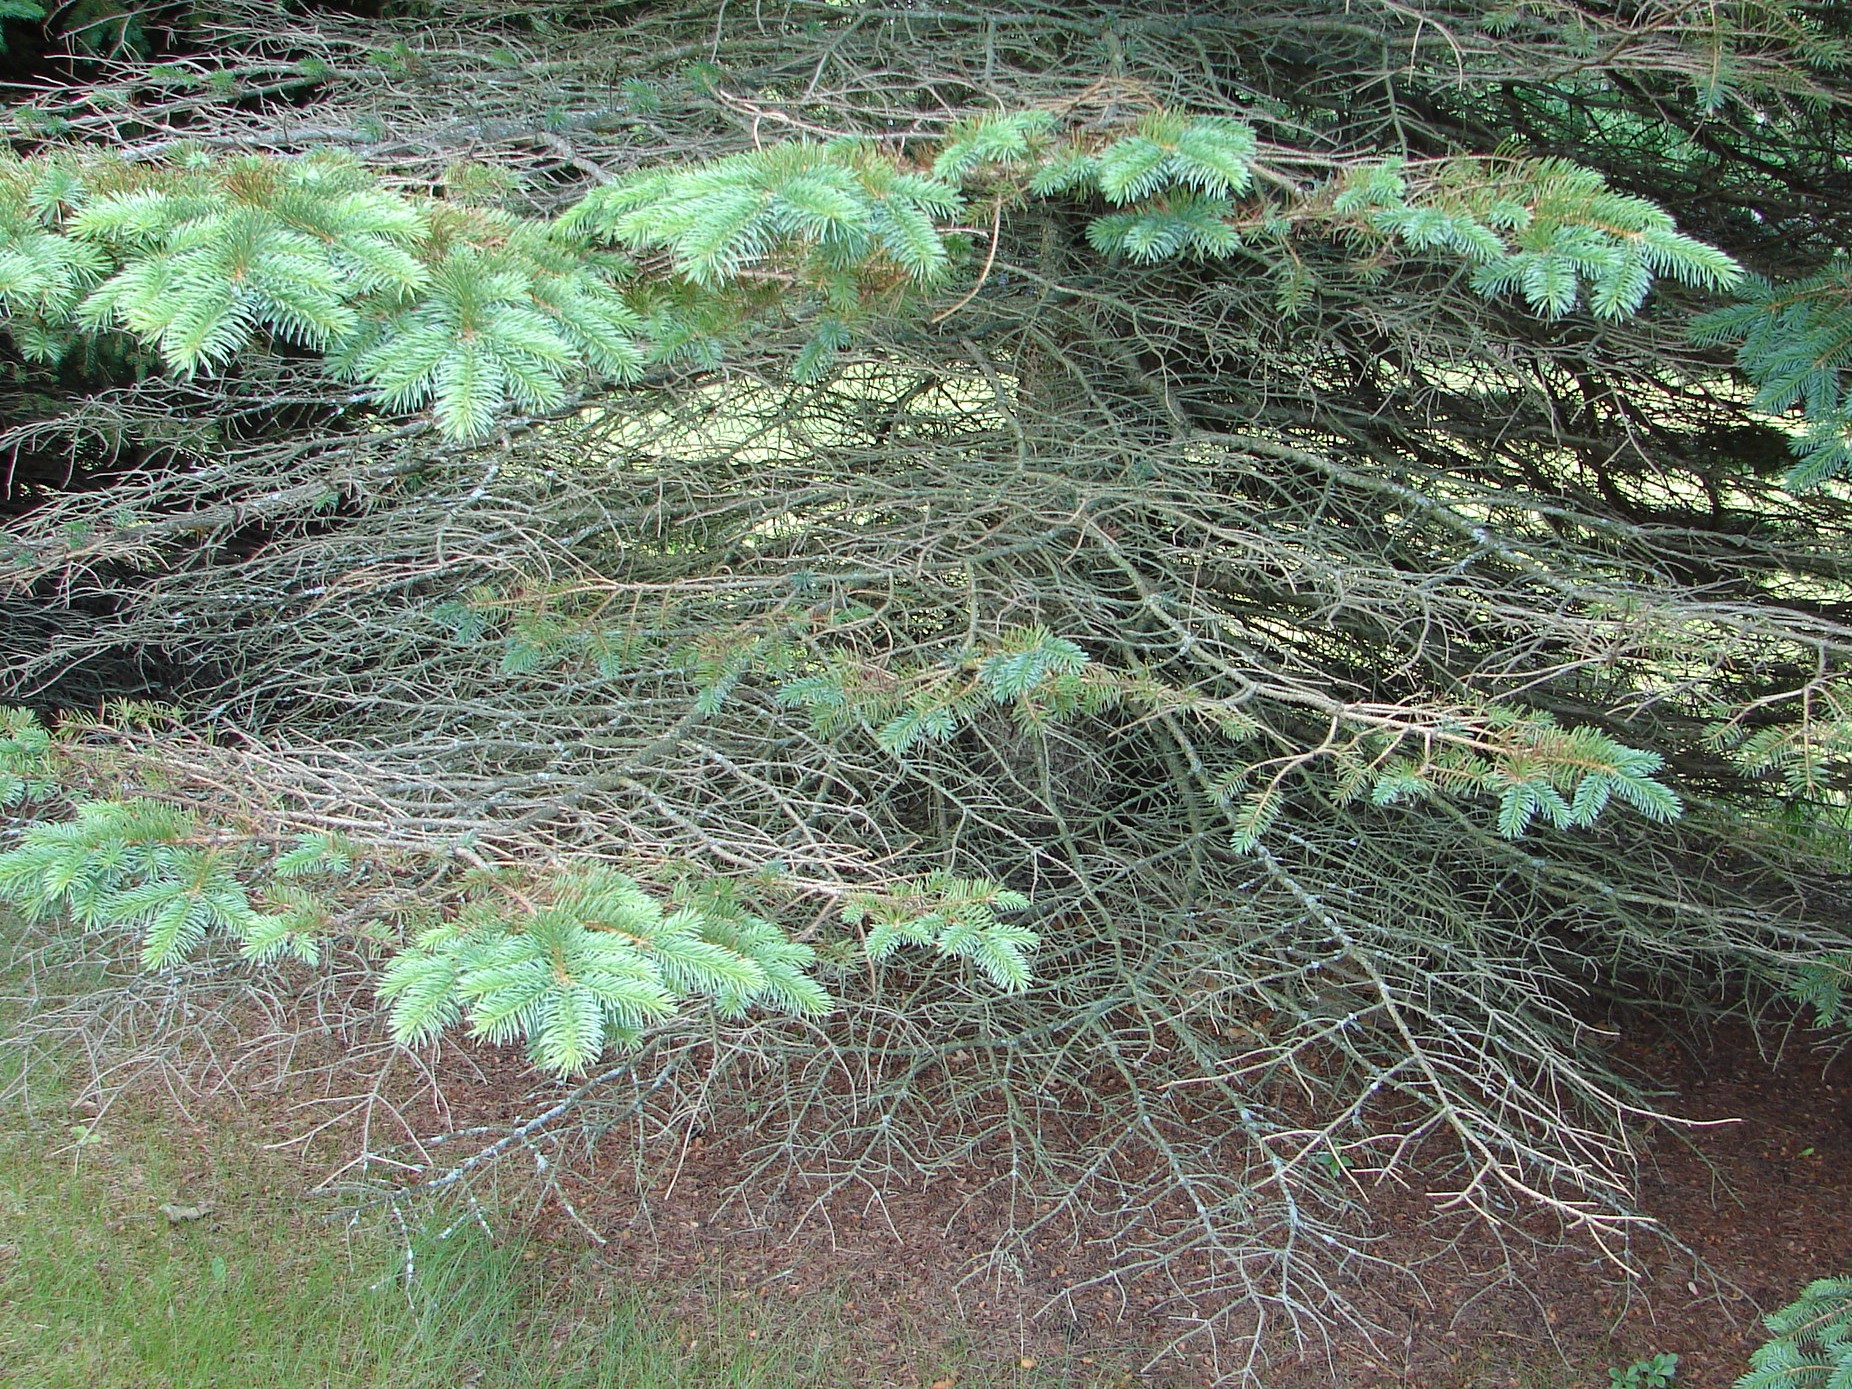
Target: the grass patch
(100, 1290)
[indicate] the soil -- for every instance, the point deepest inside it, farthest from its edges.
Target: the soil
(1752, 1199)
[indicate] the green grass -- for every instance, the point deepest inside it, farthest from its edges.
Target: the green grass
(99, 1291)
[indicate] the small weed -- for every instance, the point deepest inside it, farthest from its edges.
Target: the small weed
(1654, 1372)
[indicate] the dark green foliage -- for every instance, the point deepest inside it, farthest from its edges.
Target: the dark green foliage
(1653, 1372)
(18, 9)
(1796, 349)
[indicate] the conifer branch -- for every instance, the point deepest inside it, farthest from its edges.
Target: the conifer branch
(471, 310)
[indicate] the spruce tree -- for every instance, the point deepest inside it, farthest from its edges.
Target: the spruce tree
(1190, 596)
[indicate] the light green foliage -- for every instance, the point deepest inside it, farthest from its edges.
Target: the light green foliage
(1003, 140)
(1654, 1372)
(315, 855)
(955, 916)
(847, 224)
(1795, 345)
(587, 959)
(202, 261)
(1531, 768)
(1180, 174)
(1032, 672)
(210, 256)
(454, 302)
(295, 928)
(1210, 154)
(1803, 743)
(1810, 1345)
(1177, 222)
(571, 962)
(589, 968)
(26, 771)
(146, 867)
(507, 323)
(44, 274)
(1546, 230)
(1524, 763)
(1806, 747)
(833, 207)
(1036, 677)
(1820, 985)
